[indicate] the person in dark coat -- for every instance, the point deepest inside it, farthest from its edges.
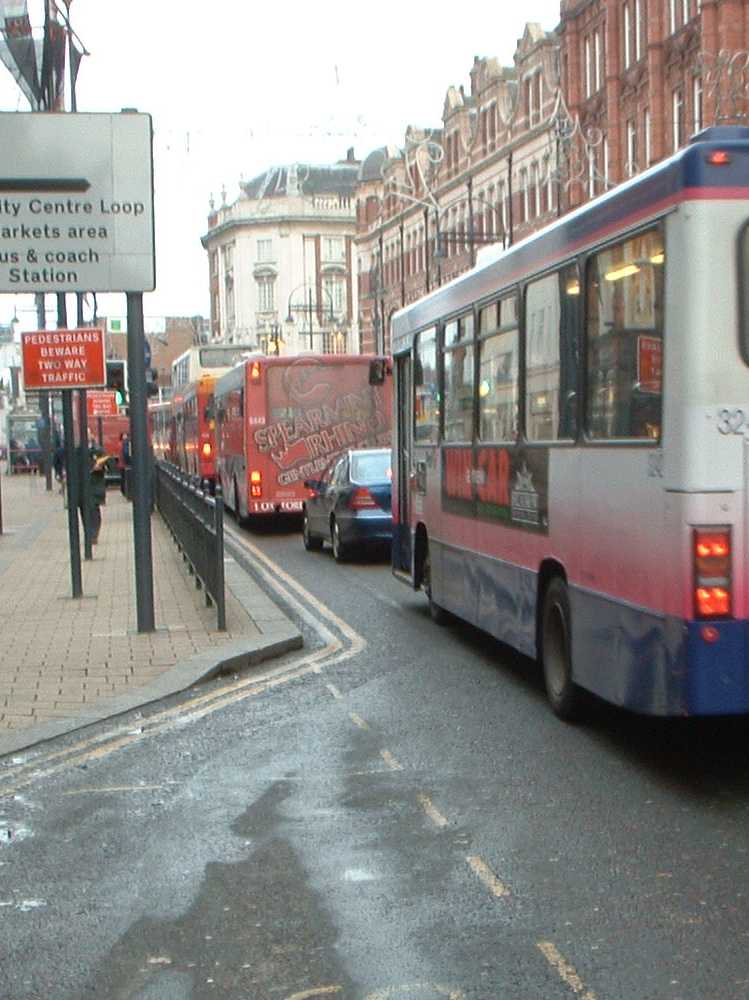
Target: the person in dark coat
(95, 467)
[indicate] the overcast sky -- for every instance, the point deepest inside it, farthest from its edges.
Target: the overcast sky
(235, 87)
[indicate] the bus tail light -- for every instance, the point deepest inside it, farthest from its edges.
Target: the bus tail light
(256, 483)
(255, 371)
(362, 499)
(206, 449)
(712, 572)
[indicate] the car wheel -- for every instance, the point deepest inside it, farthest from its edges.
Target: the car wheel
(565, 697)
(438, 613)
(310, 542)
(339, 549)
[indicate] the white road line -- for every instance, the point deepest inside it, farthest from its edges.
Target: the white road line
(566, 972)
(358, 721)
(334, 691)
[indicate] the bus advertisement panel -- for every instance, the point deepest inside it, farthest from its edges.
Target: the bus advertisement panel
(570, 441)
(282, 420)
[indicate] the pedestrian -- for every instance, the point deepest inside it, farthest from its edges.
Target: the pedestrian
(93, 464)
(125, 464)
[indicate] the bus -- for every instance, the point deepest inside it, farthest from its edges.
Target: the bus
(161, 425)
(281, 420)
(195, 429)
(206, 359)
(571, 422)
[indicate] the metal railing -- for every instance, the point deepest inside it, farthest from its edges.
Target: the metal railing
(196, 521)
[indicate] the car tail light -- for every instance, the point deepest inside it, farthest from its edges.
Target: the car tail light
(718, 158)
(712, 572)
(207, 449)
(256, 484)
(255, 371)
(362, 499)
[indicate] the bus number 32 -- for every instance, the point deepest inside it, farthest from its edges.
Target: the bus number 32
(733, 421)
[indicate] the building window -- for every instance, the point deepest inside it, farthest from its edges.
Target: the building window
(685, 10)
(588, 68)
(536, 190)
(646, 133)
(334, 296)
(214, 263)
(524, 195)
(677, 109)
(264, 250)
(605, 149)
(333, 249)
(591, 173)
(627, 31)
(598, 55)
(672, 16)
(266, 294)
(697, 104)
(638, 30)
(631, 148)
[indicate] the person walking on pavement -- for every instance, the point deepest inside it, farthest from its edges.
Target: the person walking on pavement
(93, 465)
(125, 464)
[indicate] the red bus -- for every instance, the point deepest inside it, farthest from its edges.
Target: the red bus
(195, 429)
(281, 420)
(161, 424)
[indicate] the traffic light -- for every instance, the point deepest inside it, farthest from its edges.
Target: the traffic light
(116, 380)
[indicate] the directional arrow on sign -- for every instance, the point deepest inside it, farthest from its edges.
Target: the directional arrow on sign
(44, 184)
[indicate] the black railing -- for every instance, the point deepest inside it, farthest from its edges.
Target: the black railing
(196, 521)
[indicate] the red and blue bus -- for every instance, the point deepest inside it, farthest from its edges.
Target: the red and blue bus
(283, 419)
(571, 466)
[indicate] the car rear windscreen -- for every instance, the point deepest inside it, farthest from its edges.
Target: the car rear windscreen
(371, 468)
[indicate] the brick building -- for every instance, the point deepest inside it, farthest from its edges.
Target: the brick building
(615, 87)
(639, 77)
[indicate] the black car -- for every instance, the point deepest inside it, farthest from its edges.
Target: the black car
(349, 506)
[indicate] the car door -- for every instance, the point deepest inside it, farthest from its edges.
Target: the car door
(338, 479)
(317, 504)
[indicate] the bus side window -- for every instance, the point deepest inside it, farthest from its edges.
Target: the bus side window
(241, 402)
(499, 353)
(458, 379)
(426, 389)
(624, 335)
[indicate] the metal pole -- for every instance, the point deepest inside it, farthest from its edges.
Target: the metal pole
(220, 594)
(47, 444)
(71, 466)
(140, 465)
(85, 475)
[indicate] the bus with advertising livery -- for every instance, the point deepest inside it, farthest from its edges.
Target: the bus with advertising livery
(281, 420)
(571, 441)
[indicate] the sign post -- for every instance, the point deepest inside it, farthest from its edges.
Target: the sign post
(76, 215)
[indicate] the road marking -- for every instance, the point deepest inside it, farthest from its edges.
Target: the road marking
(396, 991)
(487, 876)
(114, 788)
(391, 762)
(432, 812)
(334, 691)
(566, 972)
(317, 991)
(358, 721)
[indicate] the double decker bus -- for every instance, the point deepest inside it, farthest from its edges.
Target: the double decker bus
(161, 423)
(570, 467)
(282, 420)
(194, 429)
(206, 359)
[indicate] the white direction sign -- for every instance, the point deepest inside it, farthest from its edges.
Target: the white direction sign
(76, 203)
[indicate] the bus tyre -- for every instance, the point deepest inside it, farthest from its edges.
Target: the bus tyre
(310, 543)
(438, 614)
(556, 657)
(339, 549)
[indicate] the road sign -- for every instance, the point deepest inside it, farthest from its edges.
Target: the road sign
(63, 359)
(76, 203)
(101, 404)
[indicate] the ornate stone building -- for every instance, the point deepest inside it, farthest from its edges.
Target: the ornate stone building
(281, 259)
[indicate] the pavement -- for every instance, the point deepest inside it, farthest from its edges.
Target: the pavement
(66, 663)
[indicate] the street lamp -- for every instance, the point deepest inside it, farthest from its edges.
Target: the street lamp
(308, 307)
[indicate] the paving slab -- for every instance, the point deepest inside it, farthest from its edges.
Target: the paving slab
(66, 663)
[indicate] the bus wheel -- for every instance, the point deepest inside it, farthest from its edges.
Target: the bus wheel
(556, 657)
(438, 614)
(310, 543)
